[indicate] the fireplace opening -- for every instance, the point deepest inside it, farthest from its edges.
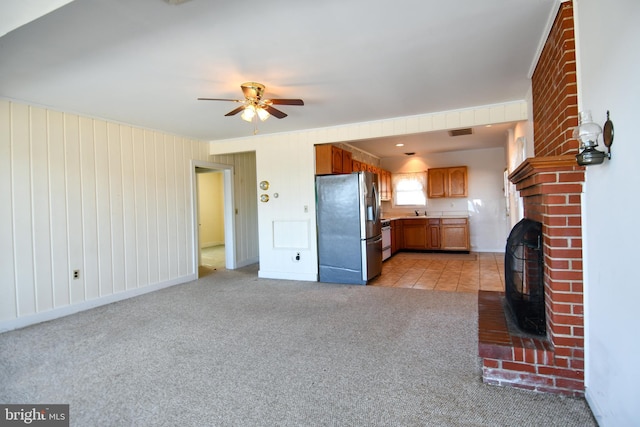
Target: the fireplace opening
(524, 284)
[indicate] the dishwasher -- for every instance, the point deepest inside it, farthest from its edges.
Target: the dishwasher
(386, 239)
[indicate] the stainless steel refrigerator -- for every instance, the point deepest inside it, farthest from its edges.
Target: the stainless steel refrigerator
(349, 230)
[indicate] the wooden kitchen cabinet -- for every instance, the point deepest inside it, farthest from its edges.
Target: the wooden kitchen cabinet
(414, 234)
(397, 231)
(454, 234)
(346, 162)
(433, 233)
(385, 185)
(331, 159)
(447, 182)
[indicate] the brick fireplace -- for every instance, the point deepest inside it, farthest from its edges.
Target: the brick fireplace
(551, 187)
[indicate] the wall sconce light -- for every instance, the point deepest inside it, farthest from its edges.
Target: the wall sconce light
(587, 133)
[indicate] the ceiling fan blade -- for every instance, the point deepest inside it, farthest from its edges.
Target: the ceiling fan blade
(287, 101)
(275, 113)
(219, 99)
(236, 111)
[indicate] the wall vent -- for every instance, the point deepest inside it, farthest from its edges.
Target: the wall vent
(460, 132)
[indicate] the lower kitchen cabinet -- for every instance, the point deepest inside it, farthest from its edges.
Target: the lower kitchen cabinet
(397, 231)
(414, 234)
(446, 234)
(454, 234)
(433, 234)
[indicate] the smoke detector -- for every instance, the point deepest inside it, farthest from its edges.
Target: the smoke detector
(176, 1)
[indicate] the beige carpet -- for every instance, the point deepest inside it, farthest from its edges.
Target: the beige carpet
(236, 350)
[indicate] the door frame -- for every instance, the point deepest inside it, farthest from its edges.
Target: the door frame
(229, 219)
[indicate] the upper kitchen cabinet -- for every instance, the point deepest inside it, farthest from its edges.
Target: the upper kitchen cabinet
(447, 182)
(385, 185)
(331, 159)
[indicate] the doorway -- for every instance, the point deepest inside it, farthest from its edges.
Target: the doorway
(214, 235)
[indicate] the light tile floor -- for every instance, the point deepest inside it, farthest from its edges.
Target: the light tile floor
(211, 259)
(443, 272)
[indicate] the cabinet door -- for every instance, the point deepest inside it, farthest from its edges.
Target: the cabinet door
(356, 166)
(457, 178)
(346, 162)
(396, 235)
(433, 234)
(385, 185)
(323, 159)
(336, 159)
(437, 183)
(454, 234)
(414, 234)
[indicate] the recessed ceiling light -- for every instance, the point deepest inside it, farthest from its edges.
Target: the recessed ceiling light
(399, 145)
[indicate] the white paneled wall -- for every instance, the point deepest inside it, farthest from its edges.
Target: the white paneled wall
(246, 204)
(107, 199)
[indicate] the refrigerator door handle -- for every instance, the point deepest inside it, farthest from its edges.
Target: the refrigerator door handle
(376, 203)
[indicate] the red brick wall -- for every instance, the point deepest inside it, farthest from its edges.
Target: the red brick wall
(554, 89)
(551, 187)
(553, 197)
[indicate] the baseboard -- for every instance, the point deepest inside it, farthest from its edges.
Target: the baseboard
(593, 405)
(307, 277)
(247, 262)
(32, 319)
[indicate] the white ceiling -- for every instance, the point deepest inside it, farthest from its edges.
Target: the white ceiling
(145, 62)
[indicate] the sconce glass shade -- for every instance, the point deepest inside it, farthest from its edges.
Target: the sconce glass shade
(587, 131)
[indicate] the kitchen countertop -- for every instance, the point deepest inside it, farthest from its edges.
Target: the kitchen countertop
(430, 215)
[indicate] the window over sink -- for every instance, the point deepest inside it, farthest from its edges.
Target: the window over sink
(409, 189)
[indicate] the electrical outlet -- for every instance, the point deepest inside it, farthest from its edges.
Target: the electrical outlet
(76, 274)
(306, 209)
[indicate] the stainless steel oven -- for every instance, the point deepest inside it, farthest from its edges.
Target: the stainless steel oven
(386, 239)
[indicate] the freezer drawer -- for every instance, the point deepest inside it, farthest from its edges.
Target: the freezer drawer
(372, 261)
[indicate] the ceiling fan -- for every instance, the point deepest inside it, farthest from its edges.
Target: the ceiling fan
(254, 105)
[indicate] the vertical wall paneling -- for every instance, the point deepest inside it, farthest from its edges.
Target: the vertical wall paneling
(161, 194)
(58, 210)
(8, 307)
(184, 189)
(246, 202)
(140, 185)
(74, 204)
(40, 203)
(128, 207)
(22, 220)
(90, 272)
(152, 205)
(116, 208)
(103, 196)
(172, 222)
(181, 204)
(109, 200)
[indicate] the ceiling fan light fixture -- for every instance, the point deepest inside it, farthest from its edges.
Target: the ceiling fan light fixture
(262, 114)
(248, 113)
